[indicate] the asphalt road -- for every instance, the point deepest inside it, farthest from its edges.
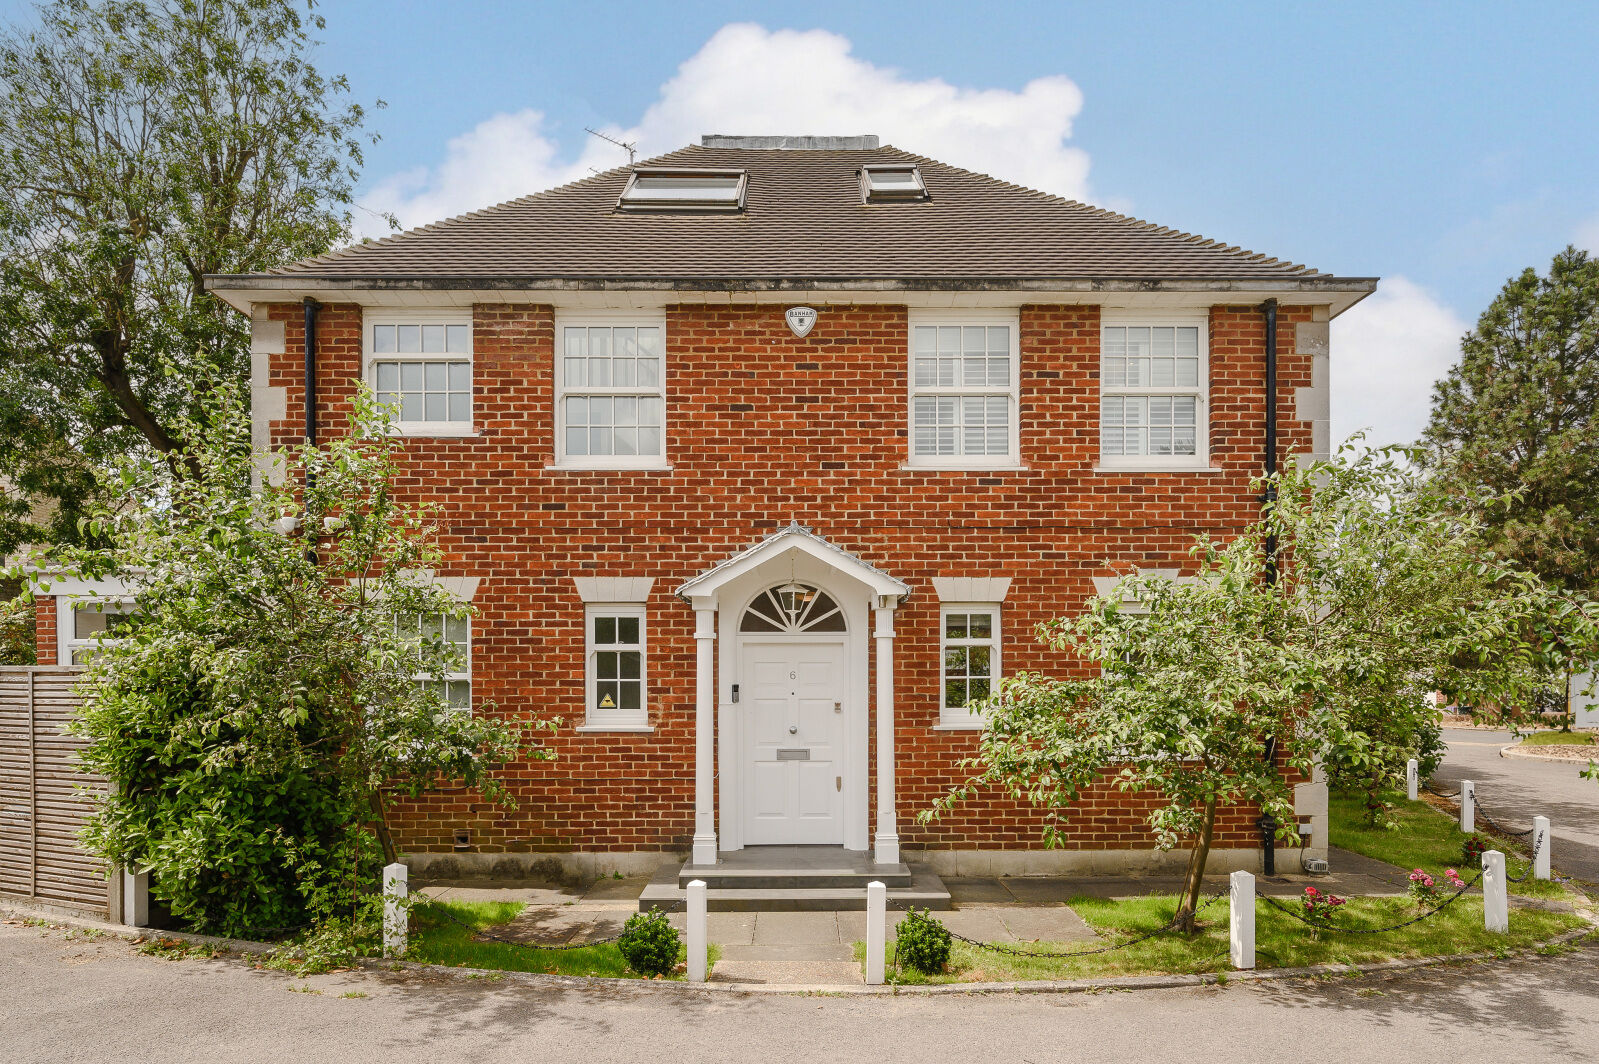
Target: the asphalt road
(101, 1001)
(1514, 790)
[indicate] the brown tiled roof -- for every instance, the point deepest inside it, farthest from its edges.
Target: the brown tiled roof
(803, 220)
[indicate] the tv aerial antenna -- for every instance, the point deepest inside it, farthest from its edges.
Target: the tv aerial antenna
(630, 147)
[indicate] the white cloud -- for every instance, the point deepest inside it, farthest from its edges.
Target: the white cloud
(1386, 353)
(750, 80)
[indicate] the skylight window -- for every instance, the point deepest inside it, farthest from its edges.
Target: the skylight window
(684, 190)
(887, 184)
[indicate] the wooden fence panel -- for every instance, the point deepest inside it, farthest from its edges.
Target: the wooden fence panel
(44, 797)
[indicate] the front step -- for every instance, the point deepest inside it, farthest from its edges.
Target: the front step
(768, 877)
(921, 889)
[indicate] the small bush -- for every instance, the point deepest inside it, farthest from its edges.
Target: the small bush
(923, 942)
(649, 943)
(1471, 850)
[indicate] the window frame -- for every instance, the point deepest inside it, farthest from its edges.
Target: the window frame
(1010, 319)
(960, 719)
(67, 641)
(449, 677)
(631, 199)
(1156, 463)
(620, 319)
(618, 719)
(374, 316)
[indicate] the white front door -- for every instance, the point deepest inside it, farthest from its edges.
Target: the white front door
(792, 704)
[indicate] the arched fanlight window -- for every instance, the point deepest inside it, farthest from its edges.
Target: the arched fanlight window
(793, 607)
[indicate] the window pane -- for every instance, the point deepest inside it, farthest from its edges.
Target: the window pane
(631, 694)
(626, 440)
(457, 339)
(977, 661)
(600, 440)
(434, 376)
(577, 440)
(433, 339)
(382, 339)
(437, 408)
(411, 406)
(410, 339)
(999, 340)
(599, 343)
(926, 340)
(577, 411)
(631, 664)
(605, 629)
(977, 689)
(606, 695)
(955, 626)
(982, 625)
(954, 693)
(460, 376)
(606, 664)
(576, 343)
(649, 440)
(649, 342)
(599, 371)
(955, 660)
(627, 630)
(649, 411)
(388, 377)
(926, 372)
(411, 376)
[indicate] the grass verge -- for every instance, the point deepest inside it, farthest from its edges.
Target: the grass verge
(1555, 738)
(436, 939)
(1422, 837)
(1280, 940)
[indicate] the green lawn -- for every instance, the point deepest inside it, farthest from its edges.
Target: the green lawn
(1424, 838)
(434, 939)
(1280, 941)
(1558, 738)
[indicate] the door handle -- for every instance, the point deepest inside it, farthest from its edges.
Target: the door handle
(792, 728)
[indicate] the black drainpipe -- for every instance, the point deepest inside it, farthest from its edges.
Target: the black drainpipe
(1267, 822)
(311, 307)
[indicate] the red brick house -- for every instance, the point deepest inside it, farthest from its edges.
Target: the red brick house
(759, 460)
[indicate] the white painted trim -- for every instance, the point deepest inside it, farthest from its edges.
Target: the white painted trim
(463, 588)
(1143, 463)
(963, 719)
(603, 719)
(709, 584)
(438, 315)
(971, 588)
(1009, 319)
(828, 571)
(635, 589)
(630, 729)
(613, 319)
(67, 641)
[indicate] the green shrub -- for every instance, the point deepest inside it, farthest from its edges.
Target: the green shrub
(1471, 850)
(923, 942)
(649, 943)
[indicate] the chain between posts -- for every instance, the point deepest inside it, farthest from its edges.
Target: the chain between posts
(492, 937)
(1430, 789)
(1532, 862)
(1321, 926)
(1018, 951)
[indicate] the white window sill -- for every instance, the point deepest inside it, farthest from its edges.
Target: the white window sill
(440, 429)
(657, 466)
(1007, 466)
(975, 726)
(1159, 467)
(635, 729)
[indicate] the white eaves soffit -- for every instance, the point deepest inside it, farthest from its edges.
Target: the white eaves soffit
(245, 292)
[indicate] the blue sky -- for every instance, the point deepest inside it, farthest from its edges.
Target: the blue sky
(1442, 146)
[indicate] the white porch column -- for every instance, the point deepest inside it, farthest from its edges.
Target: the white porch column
(704, 748)
(887, 843)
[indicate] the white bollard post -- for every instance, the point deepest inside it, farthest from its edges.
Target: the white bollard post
(876, 931)
(1495, 905)
(1540, 847)
(396, 920)
(135, 898)
(696, 931)
(1412, 778)
(1242, 951)
(1468, 806)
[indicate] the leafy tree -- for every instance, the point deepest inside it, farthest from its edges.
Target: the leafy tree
(1218, 689)
(143, 145)
(1514, 434)
(16, 630)
(267, 698)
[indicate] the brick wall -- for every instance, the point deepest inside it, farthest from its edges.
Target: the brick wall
(764, 428)
(44, 632)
